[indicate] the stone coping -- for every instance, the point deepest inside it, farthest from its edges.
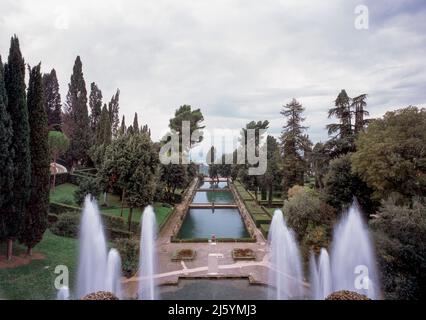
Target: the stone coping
(249, 278)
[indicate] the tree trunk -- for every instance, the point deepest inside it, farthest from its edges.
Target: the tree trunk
(9, 252)
(263, 193)
(29, 251)
(130, 217)
(271, 192)
(122, 201)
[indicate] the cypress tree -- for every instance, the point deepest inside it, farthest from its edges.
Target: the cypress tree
(78, 115)
(123, 126)
(17, 108)
(103, 132)
(6, 164)
(113, 108)
(95, 104)
(35, 221)
(52, 100)
(135, 124)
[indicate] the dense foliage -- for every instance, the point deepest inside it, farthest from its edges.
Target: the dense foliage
(400, 233)
(87, 186)
(6, 155)
(35, 220)
(342, 185)
(52, 100)
(14, 211)
(391, 154)
(310, 218)
(129, 252)
(77, 125)
(67, 225)
(295, 145)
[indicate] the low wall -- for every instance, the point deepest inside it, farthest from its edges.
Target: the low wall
(247, 218)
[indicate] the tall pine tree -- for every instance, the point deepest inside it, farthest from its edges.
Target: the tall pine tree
(35, 221)
(6, 156)
(294, 143)
(342, 111)
(17, 108)
(359, 104)
(77, 115)
(52, 100)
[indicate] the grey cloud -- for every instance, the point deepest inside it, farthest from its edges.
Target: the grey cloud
(236, 60)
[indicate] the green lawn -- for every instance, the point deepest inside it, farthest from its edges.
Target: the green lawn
(36, 279)
(64, 193)
(161, 212)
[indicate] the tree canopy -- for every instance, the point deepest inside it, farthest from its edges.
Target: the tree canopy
(391, 154)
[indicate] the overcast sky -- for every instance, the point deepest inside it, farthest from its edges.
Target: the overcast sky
(236, 60)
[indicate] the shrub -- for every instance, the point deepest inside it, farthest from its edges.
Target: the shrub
(311, 219)
(316, 237)
(400, 237)
(300, 210)
(293, 191)
(52, 219)
(67, 225)
(183, 254)
(243, 254)
(129, 252)
(114, 234)
(87, 186)
(114, 222)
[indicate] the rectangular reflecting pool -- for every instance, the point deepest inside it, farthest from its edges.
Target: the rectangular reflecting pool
(200, 289)
(225, 197)
(203, 223)
(210, 185)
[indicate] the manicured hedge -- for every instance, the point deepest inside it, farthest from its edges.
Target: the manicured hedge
(67, 225)
(254, 208)
(114, 222)
(59, 208)
(275, 203)
(264, 228)
(243, 193)
(260, 219)
(61, 178)
(52, 218)
(115, 234)
(75, 178)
